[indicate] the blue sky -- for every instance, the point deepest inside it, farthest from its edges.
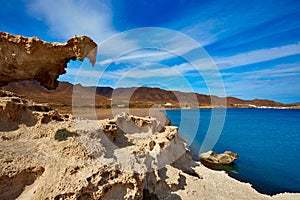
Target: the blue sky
(251, 48)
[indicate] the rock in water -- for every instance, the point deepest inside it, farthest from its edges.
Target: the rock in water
(24, 58)
(223, 159)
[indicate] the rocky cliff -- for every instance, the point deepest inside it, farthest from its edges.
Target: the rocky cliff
(24, 58)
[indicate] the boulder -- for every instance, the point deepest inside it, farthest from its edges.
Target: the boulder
(221, 159)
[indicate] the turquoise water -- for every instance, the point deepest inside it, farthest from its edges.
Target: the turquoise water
(266, 140)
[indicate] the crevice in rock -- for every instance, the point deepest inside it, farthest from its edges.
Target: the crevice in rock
(149, 196)
(12, 186)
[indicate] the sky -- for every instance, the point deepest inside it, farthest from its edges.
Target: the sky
(245, 49)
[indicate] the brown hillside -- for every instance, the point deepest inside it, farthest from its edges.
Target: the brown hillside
(61, 96)
(137, 97)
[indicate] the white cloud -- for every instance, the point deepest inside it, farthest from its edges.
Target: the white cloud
(141, 56)
(206, 32)
(278, 71)
(76, 17)
(257, 56)
(117, 44)
(68, 17)
(166, 40)
(152, 45)
(278, 82)
(105, 62)
(202, 67)
(142, 72)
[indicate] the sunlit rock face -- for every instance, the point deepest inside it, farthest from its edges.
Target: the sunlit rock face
(24, 58)
(223, 159)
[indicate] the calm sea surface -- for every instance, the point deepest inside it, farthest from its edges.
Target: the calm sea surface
(266, 140)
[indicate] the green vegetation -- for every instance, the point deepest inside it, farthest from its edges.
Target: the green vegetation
(63, 134)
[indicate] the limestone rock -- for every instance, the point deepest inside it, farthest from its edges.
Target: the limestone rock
(133, 124)
(213, 158)
(110, 129)
(24, 58)
(15, 110)
(151, 163)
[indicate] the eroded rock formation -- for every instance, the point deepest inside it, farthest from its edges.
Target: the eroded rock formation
(221, 159)
(95, 165)
(149, 163)
(24, 58)
(15, 111)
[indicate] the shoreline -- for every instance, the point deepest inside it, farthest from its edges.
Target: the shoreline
(103, 113)
(187, 179)
(143, 112)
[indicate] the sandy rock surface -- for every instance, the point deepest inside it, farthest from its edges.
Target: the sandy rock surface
(223, 158)
(127, 157)
(24, 58)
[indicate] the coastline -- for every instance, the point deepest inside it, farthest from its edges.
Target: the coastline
(76, 169)
(143, 112)
(104, 113)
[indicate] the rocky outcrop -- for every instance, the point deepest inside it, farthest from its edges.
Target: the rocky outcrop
(95, 165)
(104, 161)
(221, 159)
(13, 184)
(24, 58)
(15, 111)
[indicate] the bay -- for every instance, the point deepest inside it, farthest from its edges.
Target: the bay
(266, 140)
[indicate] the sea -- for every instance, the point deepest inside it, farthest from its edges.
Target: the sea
(267, 142)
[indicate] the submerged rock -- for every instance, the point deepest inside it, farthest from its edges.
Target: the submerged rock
(223, 159)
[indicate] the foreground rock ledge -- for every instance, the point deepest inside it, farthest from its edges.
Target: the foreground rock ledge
(24, 58)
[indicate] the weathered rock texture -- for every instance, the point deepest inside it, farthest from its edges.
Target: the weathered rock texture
(24, 58)
(107, 161)
(15, 110)
(223, 159)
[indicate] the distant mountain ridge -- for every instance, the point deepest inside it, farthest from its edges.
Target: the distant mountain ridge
(135, 96)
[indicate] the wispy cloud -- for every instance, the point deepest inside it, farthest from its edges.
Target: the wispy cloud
(70, 17)
(257, 56)
(154, 45)
(216, 21)
(279, 82)
(281, 70)
(148, 71)
(142, 56)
